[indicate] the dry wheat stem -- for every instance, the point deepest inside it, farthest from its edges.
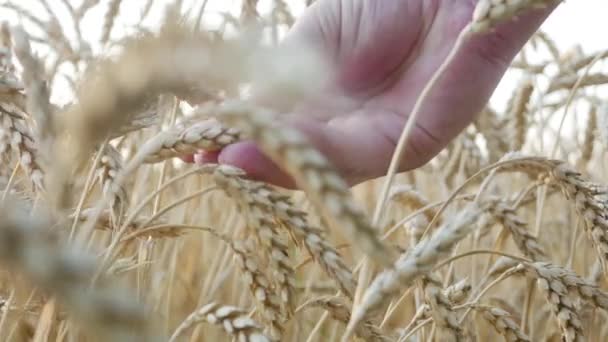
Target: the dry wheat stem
(110, 17)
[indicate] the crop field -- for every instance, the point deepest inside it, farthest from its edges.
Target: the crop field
(108, 233)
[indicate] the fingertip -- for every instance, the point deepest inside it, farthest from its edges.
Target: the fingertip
(247, 156)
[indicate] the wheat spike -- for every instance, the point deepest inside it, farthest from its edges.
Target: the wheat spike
(272, 248)
(296, 221)
(19, 137)
(110, 166)
(457, 292)
(590, 133)
(526, 243)
(489, 13)
(503, 322)
(519, 114)
(234, 321)
(416, 262)
(444, 316)
(564, 308)
(206, 135)
(260, 287)
(313, 173)
(586, 196)
(340, 311)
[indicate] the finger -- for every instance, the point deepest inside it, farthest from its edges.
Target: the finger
(464, 89)
(247, 156)
(206, 157)
(359, 147)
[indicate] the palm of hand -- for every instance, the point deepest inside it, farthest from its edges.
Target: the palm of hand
(383, 53)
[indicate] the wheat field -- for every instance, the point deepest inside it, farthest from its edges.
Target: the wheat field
(107, 235)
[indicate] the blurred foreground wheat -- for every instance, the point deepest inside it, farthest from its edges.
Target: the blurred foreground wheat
(105, 235)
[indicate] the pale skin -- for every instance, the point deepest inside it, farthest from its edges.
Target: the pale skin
(383, 52)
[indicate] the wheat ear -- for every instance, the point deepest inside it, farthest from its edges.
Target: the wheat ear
(297, 223)
(445, 318)
(206, 135)
(311, 170)
(22, 142)
(590, 134)
(489, 13)
(527, 243)
(234, 321)
(503, 322)
(273, 249)
(417, 262)
(110, 165)
(562, 305)
(340, 311)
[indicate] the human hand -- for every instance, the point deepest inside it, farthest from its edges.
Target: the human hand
(383, 53)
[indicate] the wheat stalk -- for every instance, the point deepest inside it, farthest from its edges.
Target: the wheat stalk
(110, 17)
